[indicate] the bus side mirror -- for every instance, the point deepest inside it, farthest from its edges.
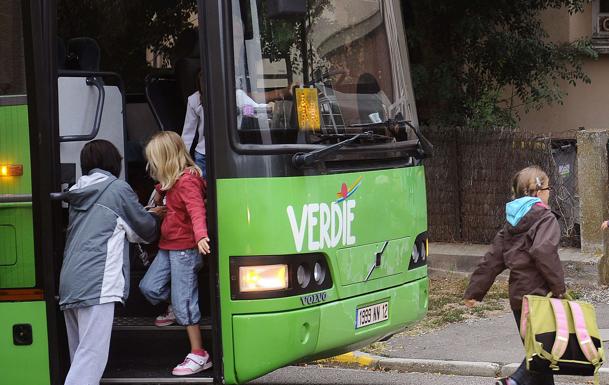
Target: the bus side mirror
(286, 9)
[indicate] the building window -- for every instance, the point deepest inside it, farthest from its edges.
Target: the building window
(600, 26)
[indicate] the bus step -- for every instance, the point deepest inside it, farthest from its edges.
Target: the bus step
(157, 380)
(148, 357)
(154, 376)
(124, 323)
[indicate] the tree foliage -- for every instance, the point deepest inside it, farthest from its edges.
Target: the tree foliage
(126, 29)
(477, 62)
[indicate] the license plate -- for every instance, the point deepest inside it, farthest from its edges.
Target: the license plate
(372, 314)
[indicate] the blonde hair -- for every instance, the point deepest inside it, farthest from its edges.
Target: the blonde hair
(168, 159)
(527, 181)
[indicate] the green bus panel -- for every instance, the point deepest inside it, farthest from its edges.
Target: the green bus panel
(17, 268)
(316, 332)
(15, 148)
(347, 218)
(24, 364)
(16, 227)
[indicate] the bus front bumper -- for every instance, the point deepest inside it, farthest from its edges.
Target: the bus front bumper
(265, 342)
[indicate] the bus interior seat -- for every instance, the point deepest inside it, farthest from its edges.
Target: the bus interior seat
(141, 126)
(83, 53)
(80, 102)
(167, 93)
(166, 104)
(187, 67)
(367, 102)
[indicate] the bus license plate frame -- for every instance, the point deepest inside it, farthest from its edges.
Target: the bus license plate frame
(372, 314)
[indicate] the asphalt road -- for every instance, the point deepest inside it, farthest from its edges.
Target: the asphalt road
(295, 375)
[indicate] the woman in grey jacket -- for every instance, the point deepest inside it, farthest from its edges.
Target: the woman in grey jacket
(105, 216)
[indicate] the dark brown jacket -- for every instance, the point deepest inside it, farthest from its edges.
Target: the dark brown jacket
(530, 251)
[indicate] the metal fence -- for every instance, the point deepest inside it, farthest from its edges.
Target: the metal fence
(469, 181)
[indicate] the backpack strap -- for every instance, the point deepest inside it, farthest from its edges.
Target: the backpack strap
(561, 341)
(583, 336)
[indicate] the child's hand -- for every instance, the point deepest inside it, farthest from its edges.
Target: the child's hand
(159, 211)
(604, 225)
(470, 303)
(158, 198)
(203, 245)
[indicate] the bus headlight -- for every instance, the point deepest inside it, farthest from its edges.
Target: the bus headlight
(303, 276)
(420, 252)
(263, 278)
(319, 273)
(277, 276)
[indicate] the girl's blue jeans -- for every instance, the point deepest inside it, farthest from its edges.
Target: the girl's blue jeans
(174, 275)
(200, 161)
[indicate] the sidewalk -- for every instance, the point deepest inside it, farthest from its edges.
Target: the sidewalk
(482, 347)
(478, 347)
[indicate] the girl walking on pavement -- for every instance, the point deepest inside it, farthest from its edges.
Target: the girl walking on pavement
(173, 273)
(527, 245)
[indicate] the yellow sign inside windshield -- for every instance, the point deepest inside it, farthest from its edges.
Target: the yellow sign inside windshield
(307, 107)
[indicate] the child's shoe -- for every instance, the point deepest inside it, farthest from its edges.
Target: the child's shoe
(165, 319)
(193, 363)
(505, 381)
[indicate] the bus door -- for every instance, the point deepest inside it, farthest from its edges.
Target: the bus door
(93, 104)
(24, 356)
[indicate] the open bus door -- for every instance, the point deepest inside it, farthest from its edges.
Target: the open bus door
(72, 101)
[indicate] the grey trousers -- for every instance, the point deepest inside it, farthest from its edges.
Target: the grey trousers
(89, 329)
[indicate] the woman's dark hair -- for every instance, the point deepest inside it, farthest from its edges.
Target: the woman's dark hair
(100, 154)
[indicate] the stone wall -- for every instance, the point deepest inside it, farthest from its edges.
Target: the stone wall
(593, 188)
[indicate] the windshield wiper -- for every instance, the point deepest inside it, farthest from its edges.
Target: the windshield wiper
(324, 137)
(425, 147)
(302, 159)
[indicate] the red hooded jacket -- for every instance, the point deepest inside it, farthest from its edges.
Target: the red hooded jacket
(185, 222)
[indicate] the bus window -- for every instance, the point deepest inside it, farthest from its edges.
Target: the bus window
(339, 50)
(12, 65)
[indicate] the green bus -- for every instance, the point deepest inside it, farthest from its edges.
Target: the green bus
(316, 188)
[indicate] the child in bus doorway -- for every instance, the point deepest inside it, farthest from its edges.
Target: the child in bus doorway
(193, 124)
(527, 245)
(173, 273)
(104, 214)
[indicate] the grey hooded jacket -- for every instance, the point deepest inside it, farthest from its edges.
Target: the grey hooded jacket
(105, 216)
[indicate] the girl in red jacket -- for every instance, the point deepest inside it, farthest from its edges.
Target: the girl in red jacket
(183, 240)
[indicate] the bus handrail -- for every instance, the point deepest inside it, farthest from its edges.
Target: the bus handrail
(91, 80)
(15, 198)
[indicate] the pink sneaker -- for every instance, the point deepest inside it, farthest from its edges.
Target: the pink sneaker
(193, 363)
(165, 319)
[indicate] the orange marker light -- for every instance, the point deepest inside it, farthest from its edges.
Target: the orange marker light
(307, 108)
(11, 170)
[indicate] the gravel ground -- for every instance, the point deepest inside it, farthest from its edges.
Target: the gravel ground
(595, 295)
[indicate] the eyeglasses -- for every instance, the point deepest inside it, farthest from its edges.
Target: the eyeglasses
(549, 188)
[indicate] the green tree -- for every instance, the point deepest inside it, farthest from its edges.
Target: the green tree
(125, 29)
(475, 62)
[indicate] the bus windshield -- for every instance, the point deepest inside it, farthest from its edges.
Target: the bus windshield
(349, 56)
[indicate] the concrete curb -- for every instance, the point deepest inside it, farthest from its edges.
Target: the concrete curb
(459, 368)
(582, 271)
